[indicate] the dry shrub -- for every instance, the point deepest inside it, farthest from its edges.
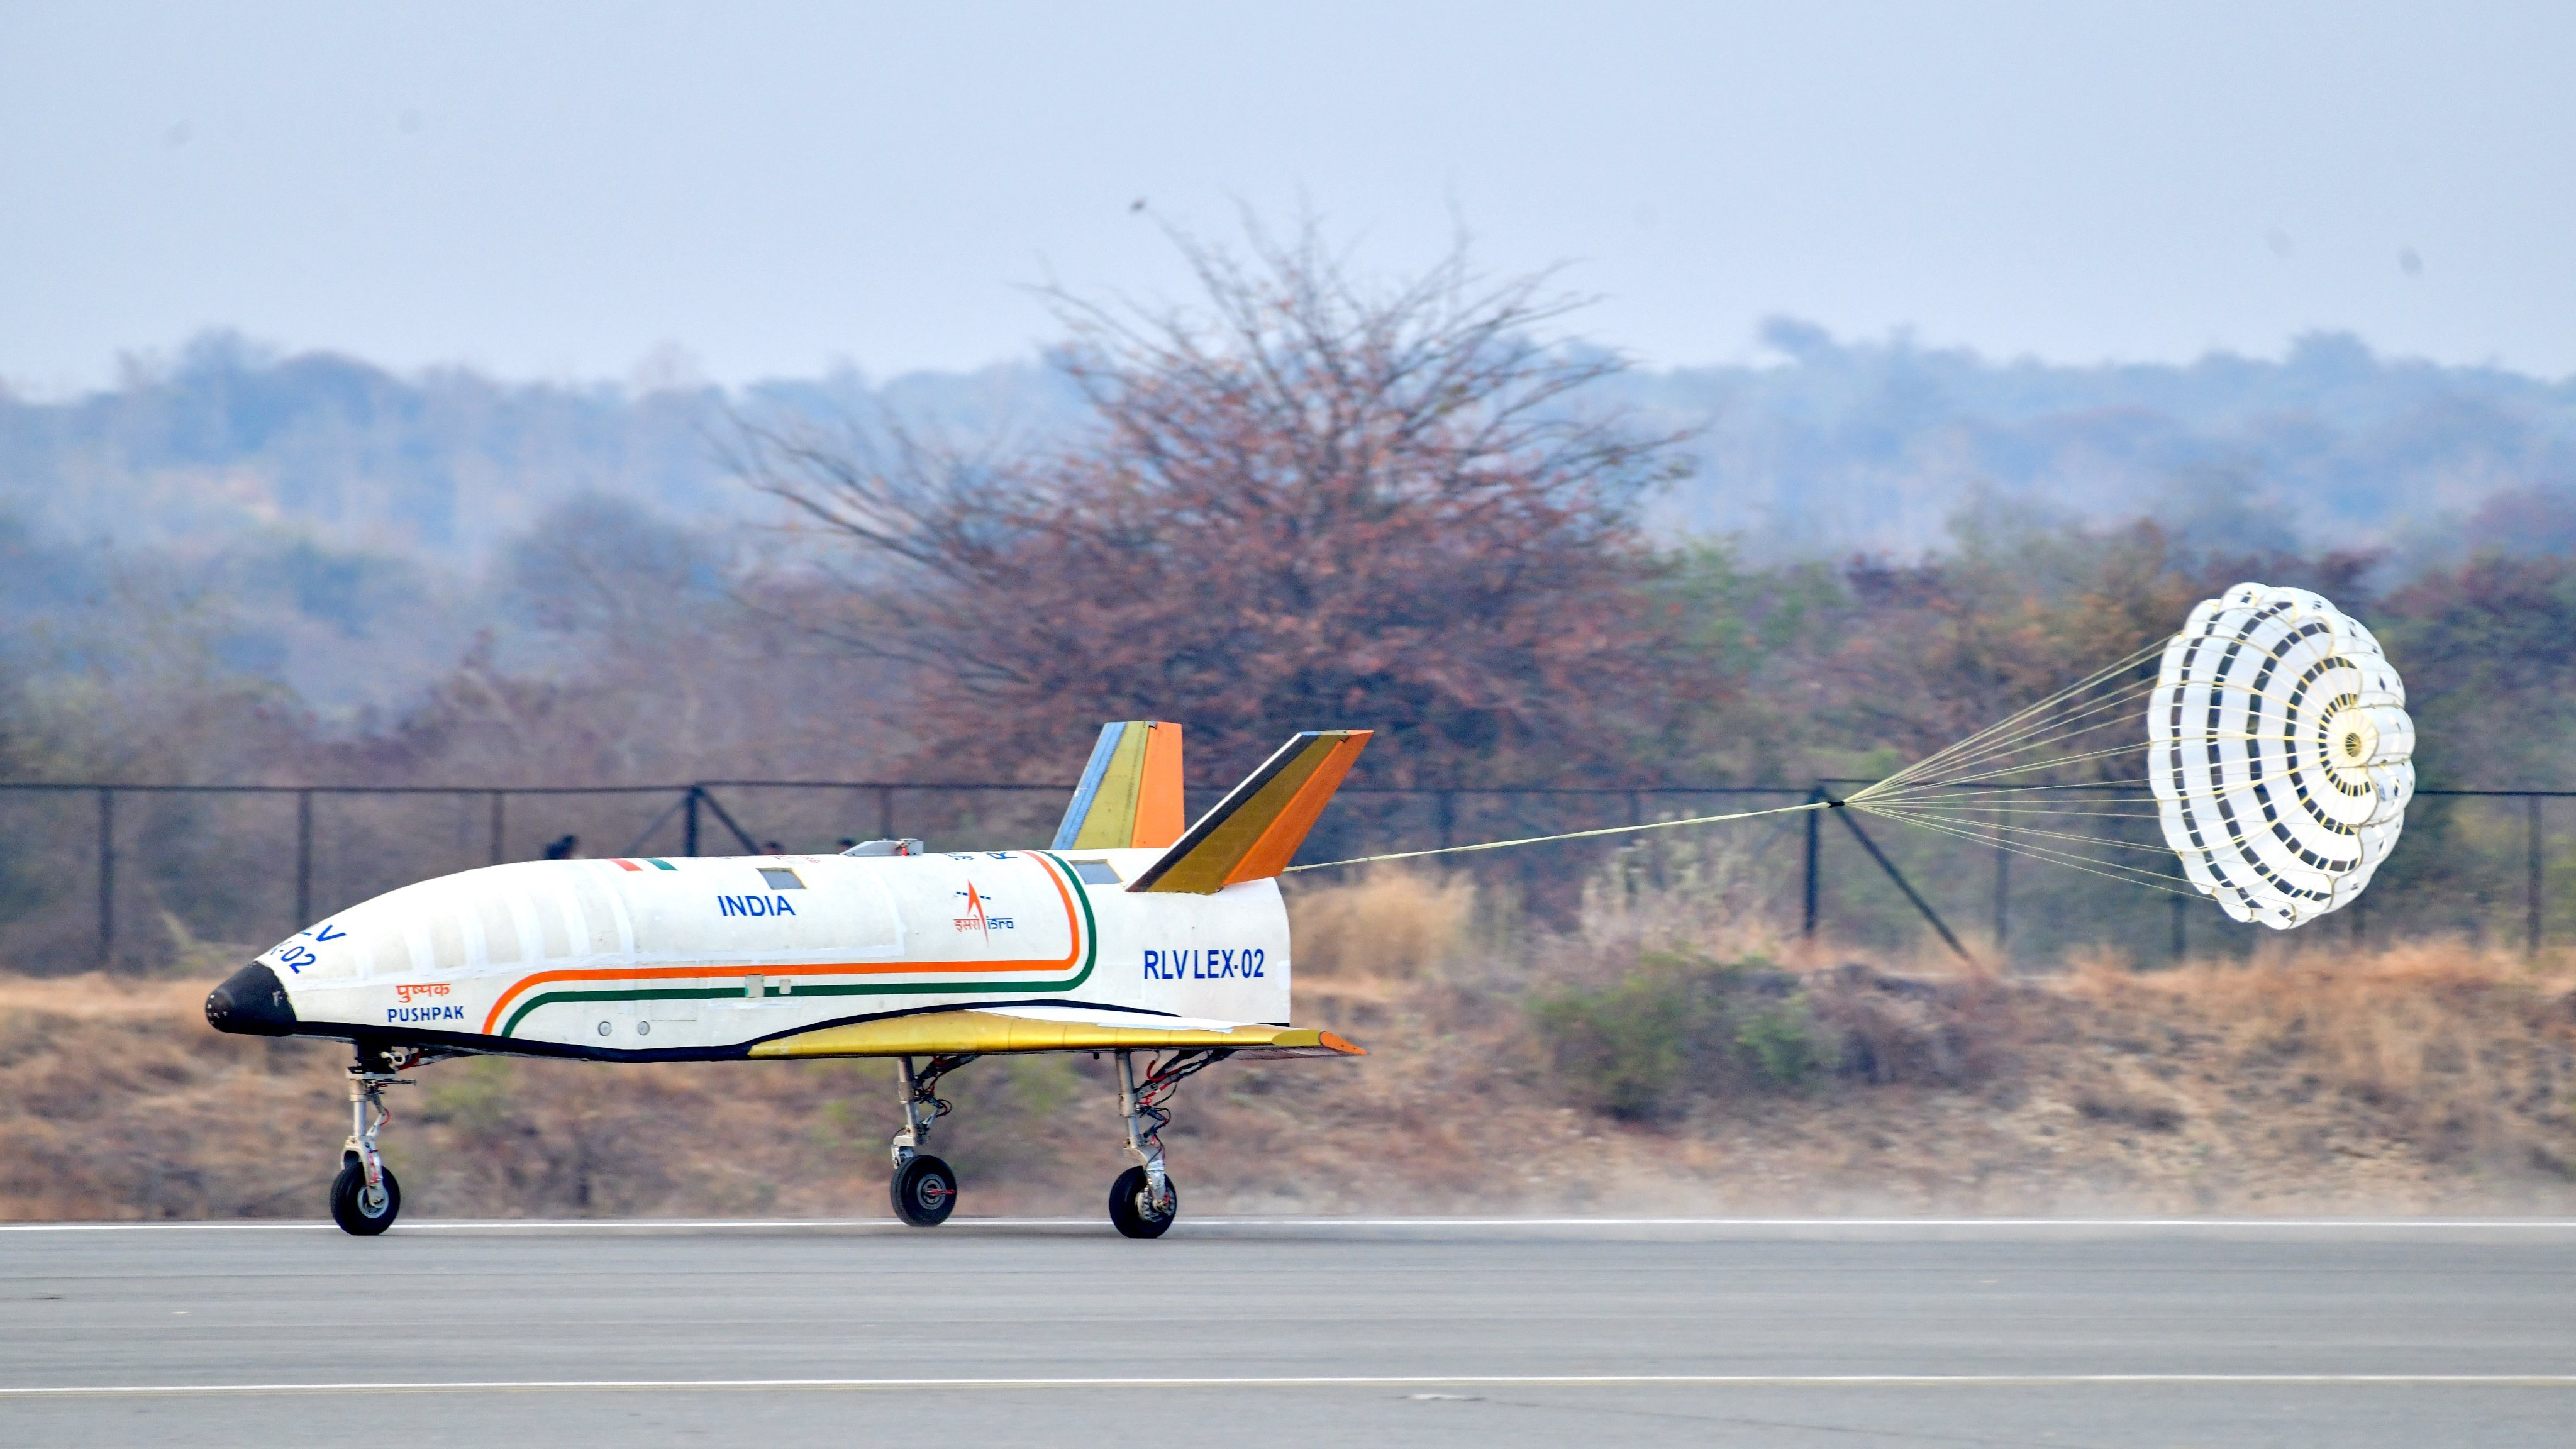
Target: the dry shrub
(2127, 1109)
(1675, 1027)
(1937, 1031)
(2463, 1050)
(1389, 924)
(1672, 896)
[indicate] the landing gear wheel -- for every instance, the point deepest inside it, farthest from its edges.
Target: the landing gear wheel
(924, 1191)
(360, 1209)
(1133, 1213)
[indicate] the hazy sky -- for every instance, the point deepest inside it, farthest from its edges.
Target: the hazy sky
(563, 190)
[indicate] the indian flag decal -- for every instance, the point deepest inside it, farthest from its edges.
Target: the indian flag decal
(950, 978)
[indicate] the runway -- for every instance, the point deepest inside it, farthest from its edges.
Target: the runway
(1777, 1332)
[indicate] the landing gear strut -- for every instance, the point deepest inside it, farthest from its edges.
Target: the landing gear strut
(1144, 1201)
(365, 1198)
(924, 1189)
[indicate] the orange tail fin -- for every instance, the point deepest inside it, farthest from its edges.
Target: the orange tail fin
(1256, 829)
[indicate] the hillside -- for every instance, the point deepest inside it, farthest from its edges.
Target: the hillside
(353, 523)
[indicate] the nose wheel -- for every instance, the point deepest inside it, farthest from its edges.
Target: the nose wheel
(361, 1207)
(365, 1198)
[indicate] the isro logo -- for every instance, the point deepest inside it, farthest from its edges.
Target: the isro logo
(979, 916)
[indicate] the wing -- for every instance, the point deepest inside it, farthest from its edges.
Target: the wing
(986, 1030)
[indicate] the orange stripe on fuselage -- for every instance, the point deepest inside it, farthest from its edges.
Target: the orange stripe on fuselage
(1073, 957)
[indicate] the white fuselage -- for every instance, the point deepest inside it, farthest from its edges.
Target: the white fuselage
(702, 957)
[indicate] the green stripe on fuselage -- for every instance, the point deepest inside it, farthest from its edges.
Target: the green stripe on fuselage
(1090, 958)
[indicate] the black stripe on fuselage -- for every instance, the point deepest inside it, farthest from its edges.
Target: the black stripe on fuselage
(511, 1046)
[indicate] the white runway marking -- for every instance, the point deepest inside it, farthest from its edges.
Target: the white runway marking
(612, 1225)
(1319, 1381)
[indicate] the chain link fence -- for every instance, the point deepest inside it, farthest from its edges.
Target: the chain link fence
(155, 878)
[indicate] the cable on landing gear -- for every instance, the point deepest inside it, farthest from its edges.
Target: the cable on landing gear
(1159, 1085)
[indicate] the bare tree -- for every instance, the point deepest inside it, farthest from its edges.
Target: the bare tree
(1303, 502)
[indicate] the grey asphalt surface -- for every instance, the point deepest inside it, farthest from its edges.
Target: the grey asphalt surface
(1800, 1334)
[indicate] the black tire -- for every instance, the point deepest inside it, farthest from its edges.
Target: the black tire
(350, 1201)
(924, 1192)
(1129, 1212)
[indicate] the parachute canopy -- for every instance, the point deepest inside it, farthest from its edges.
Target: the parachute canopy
(2281, 753)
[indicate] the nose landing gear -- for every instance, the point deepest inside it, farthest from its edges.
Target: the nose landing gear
(1144, 1201)
(924, 1189)
(365, 1198)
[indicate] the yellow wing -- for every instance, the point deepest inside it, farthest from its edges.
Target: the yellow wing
(987, 1030)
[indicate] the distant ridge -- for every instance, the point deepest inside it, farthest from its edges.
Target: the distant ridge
(1836, 447)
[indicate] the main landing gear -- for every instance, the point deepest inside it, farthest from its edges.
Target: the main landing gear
(1142, 1203)
(1144, 1200)
(924, 1189)
(365, 1198)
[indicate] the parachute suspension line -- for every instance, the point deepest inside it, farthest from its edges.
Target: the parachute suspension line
(2012, 843)
(1949, 766)
(2017, 843)
(2035, 728)
(1998, 762)
(2053, 763)
(1932, 789)
(2019, 718)
(2060, 729)
(2055, 731)
(2109, 809)
(2016, 720)
(2018, 831)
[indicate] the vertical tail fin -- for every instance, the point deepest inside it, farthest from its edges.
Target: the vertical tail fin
(1130, 793)
(1256, 829)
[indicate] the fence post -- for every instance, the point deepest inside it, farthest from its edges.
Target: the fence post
(2181, 924)
(497, 797)
(2003, 889)
(1815, 847)
(2531, 879)
(885, 812)
(689, 829)
(1448, 807)
(1921, 905)
(106, 879)
(303, 859)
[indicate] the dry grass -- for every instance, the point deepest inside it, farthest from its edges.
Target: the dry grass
(2466, 1053)
(2430, 1077)
(1389, 924)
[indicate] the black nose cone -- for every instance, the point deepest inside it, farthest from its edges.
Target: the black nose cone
(252, 1002)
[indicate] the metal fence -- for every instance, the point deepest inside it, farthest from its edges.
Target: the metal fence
(140, 877)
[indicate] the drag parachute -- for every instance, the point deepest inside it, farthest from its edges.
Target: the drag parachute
(2280, 752)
